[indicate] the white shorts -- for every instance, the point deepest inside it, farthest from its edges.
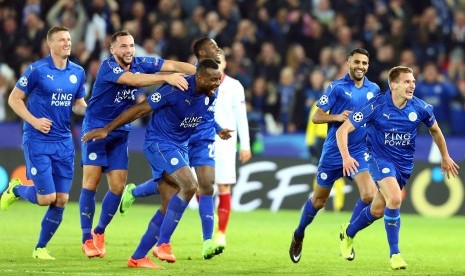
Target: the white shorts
(225, 167)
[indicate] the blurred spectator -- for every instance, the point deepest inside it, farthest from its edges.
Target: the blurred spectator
(195, 24)
(323, 12)
(325, 64)
(7, 82)
(70, 14)
(458, 110)
(458, 30)
(456, 66)
(313, 89)
(245, 34)
(436, 91)
(298, 61)
(244, 65)
(268, 62)
(177, 41)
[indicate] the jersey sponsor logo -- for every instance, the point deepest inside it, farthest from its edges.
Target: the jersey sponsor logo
(126, 94)
(412, 116)
(190, 122)
(323, 100)
(61, 99)
(50, 76)
(117, 70)
(33, 171)
(397, 139)
(23, 81)
(358, 117)
(370, 95)
(174, 161)
(156, 97)
(73, 79)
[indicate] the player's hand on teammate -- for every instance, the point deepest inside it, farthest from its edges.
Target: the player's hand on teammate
(94, 135)
(225, 133)
(449, 167)
(244, 156)
(43, 125)
(349, 166)
(177, 79)
(343, 116)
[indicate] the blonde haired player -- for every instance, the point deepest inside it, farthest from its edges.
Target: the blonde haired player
(230, 112)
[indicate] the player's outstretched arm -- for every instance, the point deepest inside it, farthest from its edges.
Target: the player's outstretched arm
(448, 165)
(349, 164)
(321, 117)
(178, 66)
(135, 112)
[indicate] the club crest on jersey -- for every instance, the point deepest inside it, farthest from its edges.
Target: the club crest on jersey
(358, 117)
(33, 171)
(73, 79)
(412, 116)
(23, 81)
(156, 97)
(323, 100)
(207, 100)
(117, 70)
(174, 161)
(370, 95)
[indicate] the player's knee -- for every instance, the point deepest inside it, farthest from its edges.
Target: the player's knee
(46, 200)
(367, 197)
(189, 189)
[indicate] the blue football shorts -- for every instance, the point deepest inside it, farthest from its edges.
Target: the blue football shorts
(328, 173)
(110, 153)
(202, 153)
(50, 165)
(165, 157)
(381, 168)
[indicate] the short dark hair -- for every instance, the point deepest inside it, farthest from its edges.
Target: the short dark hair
(206, 64)
(54, 30)
(117, 34)
(199, 44)
(359, 51)
(395, 72)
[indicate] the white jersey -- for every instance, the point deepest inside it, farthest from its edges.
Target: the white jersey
(230, 113)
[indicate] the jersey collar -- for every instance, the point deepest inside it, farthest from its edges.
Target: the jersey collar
(52, 65)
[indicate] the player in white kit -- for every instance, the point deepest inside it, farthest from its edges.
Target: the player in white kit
(230, 112)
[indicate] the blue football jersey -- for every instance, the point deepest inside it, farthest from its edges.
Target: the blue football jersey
(51, 93)
(342, 95)
(177, 113)
(392, 131)
(109, 99)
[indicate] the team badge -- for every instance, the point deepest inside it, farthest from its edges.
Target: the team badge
(73, 79)
(174, 161)
(323, 176)
(33, 171)
(156, 97)
(370, 95)
(412, 116)
(92, 156)
(385, 170)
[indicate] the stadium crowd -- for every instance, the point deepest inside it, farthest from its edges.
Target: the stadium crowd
(284, 52)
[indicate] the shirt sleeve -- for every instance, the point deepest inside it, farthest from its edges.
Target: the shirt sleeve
(240, 112)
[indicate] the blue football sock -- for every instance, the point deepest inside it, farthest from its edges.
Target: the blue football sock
(26, 192)
(392, 225)
(150, 237)
(362, 221)
(308, 214)
(359, 206)
(110, 205)
(206, 212)
(87, 211)
(176, 208)
(149, 187)
(50, 223)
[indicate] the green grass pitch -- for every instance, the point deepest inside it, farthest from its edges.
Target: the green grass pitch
(257, 244)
